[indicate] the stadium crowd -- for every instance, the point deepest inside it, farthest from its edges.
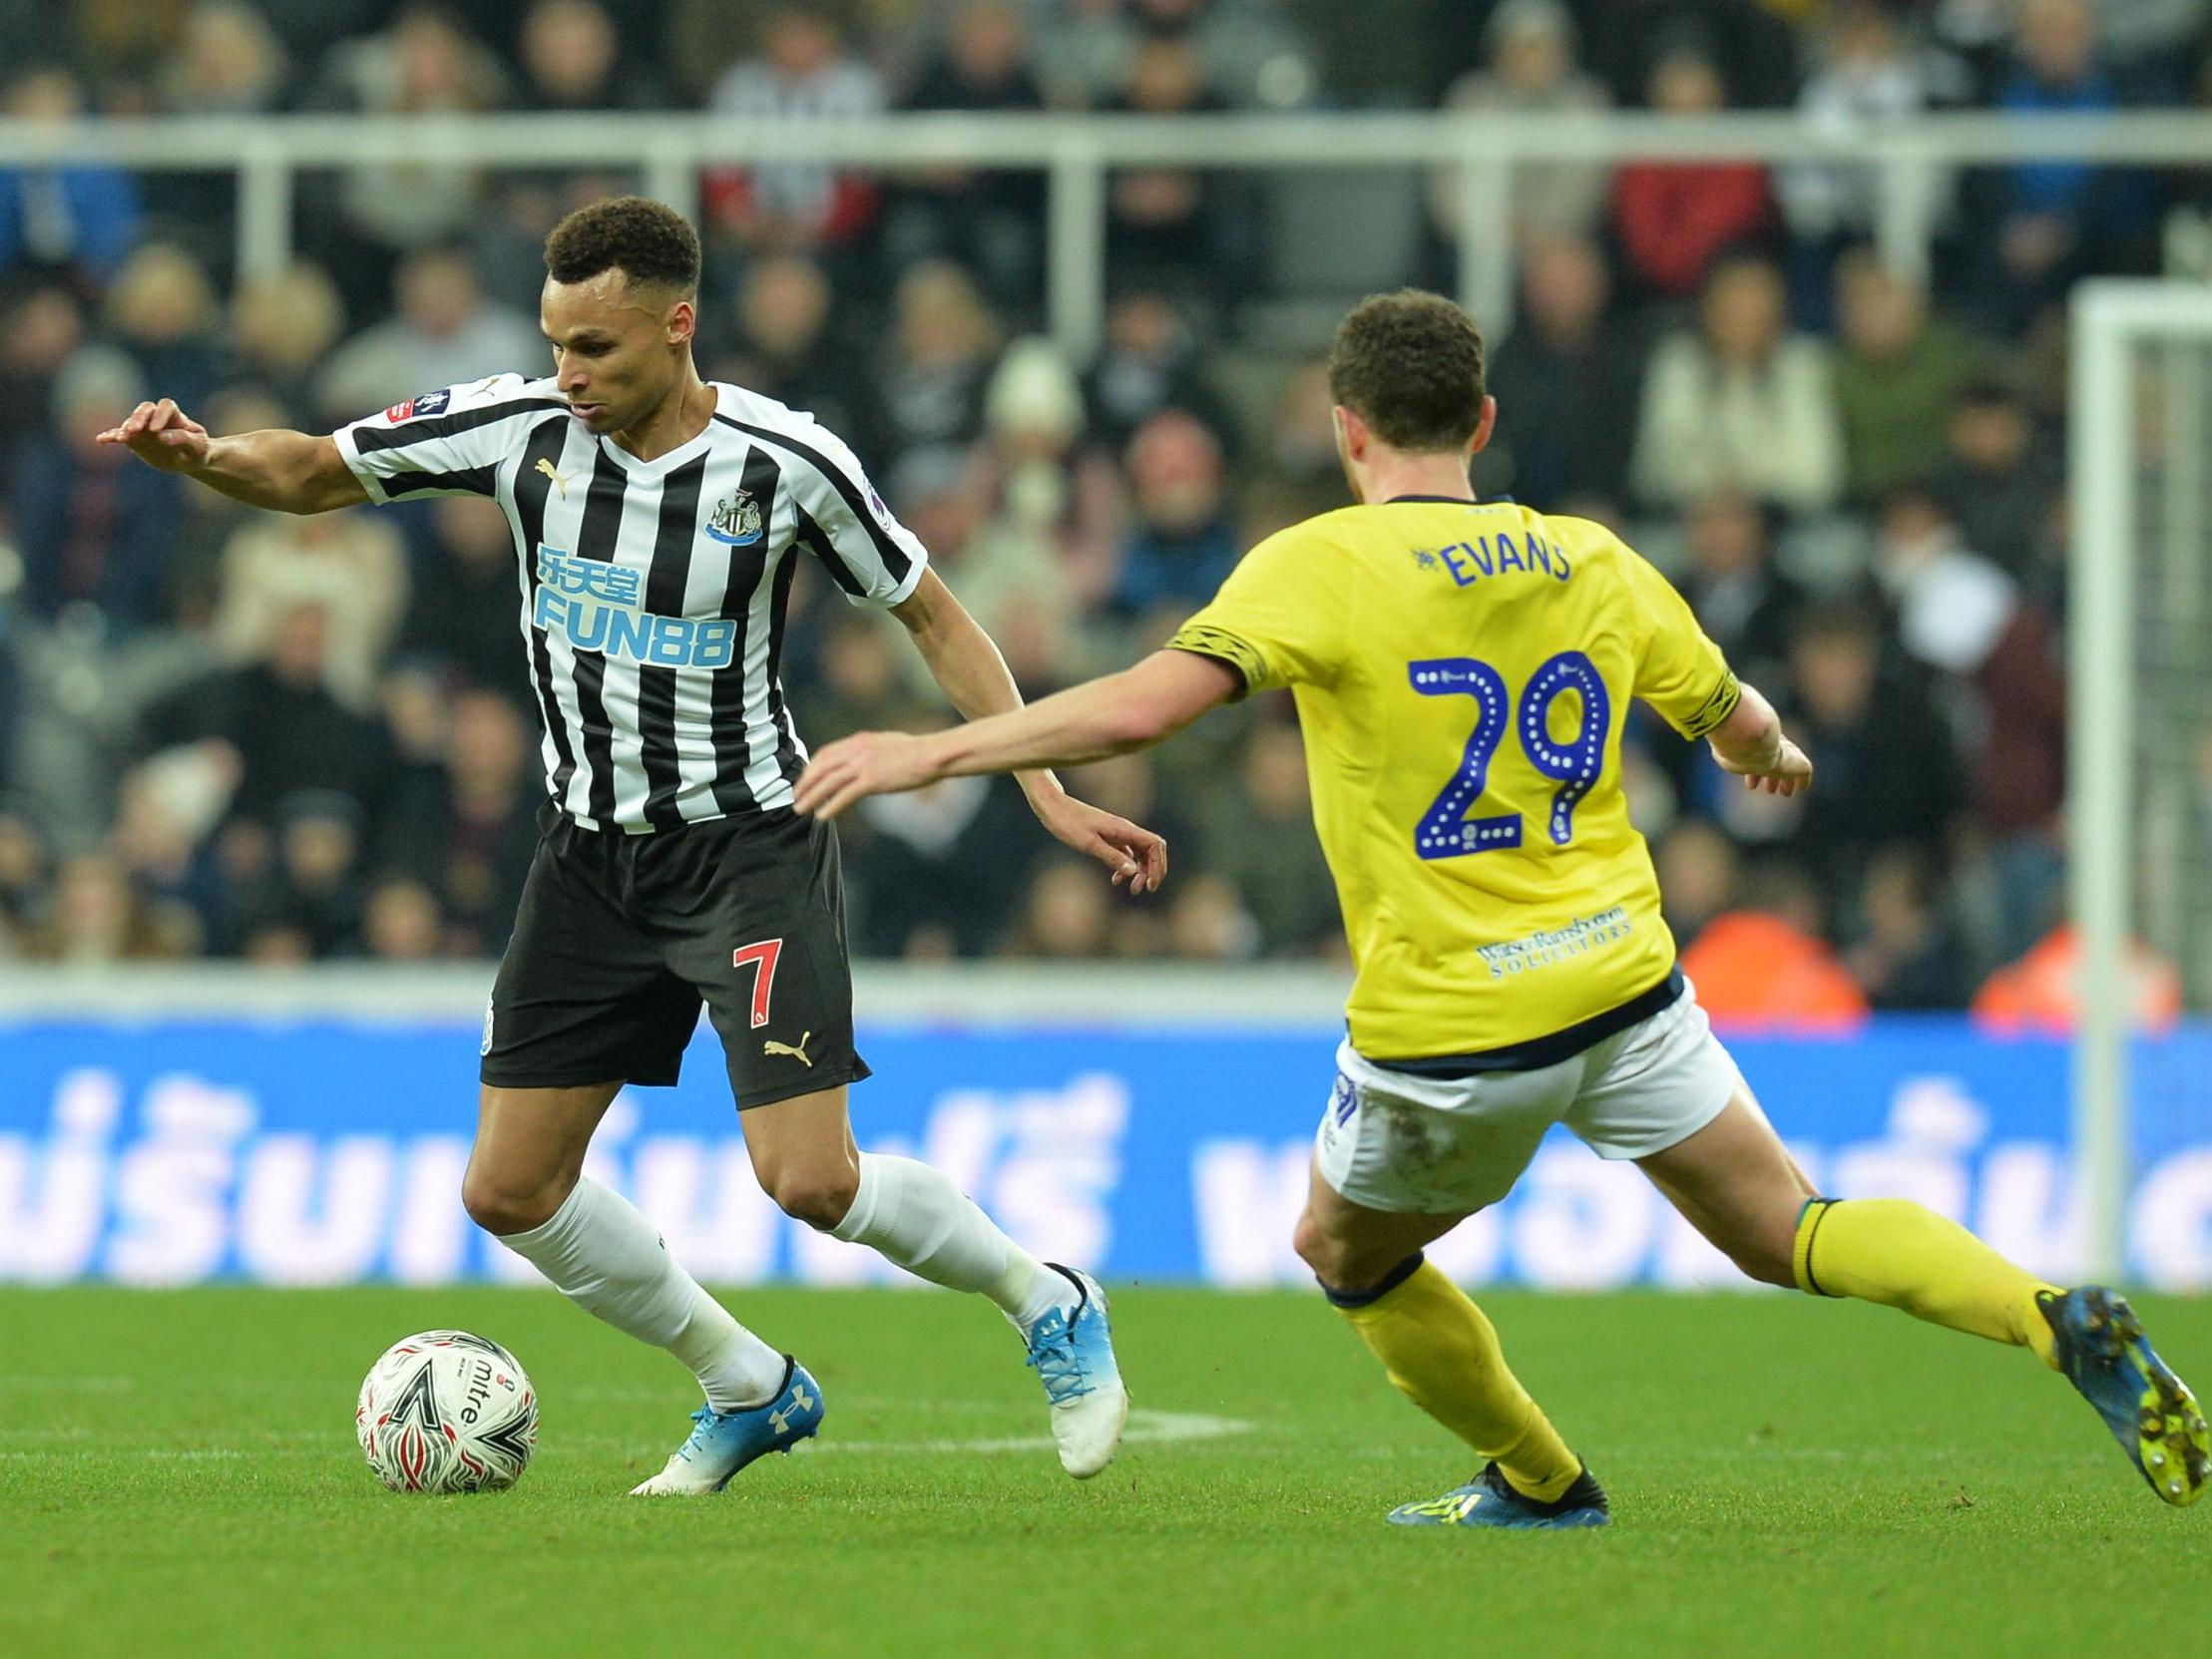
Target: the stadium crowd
(232, 735)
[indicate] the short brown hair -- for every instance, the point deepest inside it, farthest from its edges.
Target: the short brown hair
(1409, 364)
(649, 241)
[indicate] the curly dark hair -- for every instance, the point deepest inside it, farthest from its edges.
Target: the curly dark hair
(1409, 364)
(648, 241)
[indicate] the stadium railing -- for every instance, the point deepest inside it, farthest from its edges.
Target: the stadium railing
(1077, 152)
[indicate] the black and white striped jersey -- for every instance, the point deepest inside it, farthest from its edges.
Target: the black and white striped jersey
(653, 593)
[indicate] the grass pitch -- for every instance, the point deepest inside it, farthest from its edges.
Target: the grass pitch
(177, 1477)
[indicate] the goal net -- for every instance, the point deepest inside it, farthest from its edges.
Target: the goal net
(2140, 741)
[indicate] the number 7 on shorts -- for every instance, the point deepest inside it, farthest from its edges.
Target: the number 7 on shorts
(761, 959)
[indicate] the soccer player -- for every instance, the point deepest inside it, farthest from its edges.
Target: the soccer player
(659, 521)
(1462, 670)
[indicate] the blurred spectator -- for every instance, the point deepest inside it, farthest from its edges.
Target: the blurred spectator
(1249, 52)
(1750, 609)
(423, 63)
(228, 61)
(1904, 953)
(93, 525)
(1567, 384)
(99, 918)
(1067, 913)
(2053, 222)
(1961, 616)
(1767, 967)
(802, 73)
(1674, 218)
(943, 344)
(1740, 404)
(786, 350)
(857, 686)
(1698, 872)
(989, 219)
(1532, 71)
(1261, 839)
(163, 312)
(469, 831)
(1302, 473)
(1208, 921)
(1998, 483)
(1870, 72)
(940, 869)
(465, 611)
(1897, 371)
(1083, 49)
(1151, 361)
(401, 922)
(168, 809)
(44, 329)
(314, 893)
(290, 732)
(351, 563)
(572, 61)
(1182, 543)
(26, 870)
(75, 222)
(2040, 994)
(1754, 52)
(1887, 775)
(1246, 52)
(1187, 233)
(1042, 537)
(282, 329)
(445, 333)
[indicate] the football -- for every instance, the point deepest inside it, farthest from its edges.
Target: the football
(447, 1411)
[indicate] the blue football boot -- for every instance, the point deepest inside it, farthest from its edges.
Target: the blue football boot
(1072, 1351)
(723, 1443)
(1490, 1501)
(2102, 1350)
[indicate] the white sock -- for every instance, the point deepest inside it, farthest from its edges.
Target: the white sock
(913, 1215)
(608, 1259)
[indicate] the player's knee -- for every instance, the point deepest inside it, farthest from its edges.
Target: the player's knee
(1336, 1261)
(819, 1196)
(501, 1206)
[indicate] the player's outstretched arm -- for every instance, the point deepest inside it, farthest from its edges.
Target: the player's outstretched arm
(1750, 745)
(974, 677)
(285, 472)
(1128, 710)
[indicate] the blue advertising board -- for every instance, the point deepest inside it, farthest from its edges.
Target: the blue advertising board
(326, 1151)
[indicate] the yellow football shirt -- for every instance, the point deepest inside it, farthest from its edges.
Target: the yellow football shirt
(1463, 673)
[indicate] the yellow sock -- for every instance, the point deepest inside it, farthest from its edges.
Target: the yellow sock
(1443, 1355)
(1904, 1255)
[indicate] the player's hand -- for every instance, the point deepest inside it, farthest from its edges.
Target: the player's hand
(1133, 853)
(851, 769)
(1790, 771)
(162, 435)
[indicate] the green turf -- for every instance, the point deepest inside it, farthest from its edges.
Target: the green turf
(178, 1476)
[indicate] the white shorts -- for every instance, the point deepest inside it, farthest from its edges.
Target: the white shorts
(1395, 1140)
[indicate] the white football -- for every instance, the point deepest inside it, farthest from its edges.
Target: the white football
(447, 1411)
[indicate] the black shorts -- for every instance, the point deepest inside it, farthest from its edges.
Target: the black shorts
(619, 938)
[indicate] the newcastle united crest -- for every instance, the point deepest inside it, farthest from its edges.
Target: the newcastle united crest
(736, 518)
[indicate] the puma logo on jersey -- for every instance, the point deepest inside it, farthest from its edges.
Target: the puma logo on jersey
(560, 478)
(771, 1048)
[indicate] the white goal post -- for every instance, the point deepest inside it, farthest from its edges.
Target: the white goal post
(2140, 577)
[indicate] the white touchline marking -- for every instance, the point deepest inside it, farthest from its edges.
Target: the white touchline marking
(1143, 1425)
